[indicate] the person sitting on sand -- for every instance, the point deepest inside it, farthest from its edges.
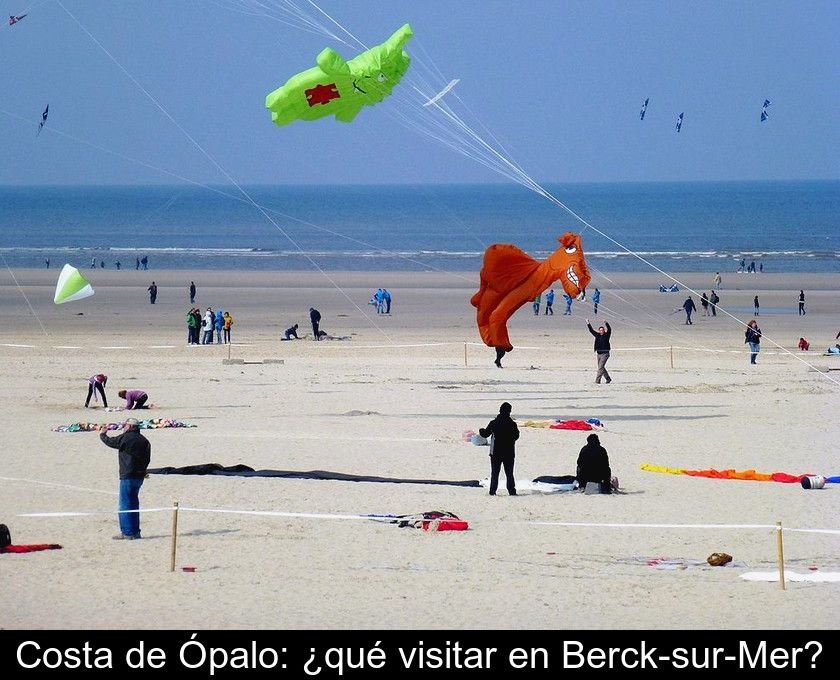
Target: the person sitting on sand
(134, 399)
(593, 465)
(804, 345)
(291, 333)
(97, 383)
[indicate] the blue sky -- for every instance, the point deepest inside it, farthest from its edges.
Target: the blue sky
(559, 83)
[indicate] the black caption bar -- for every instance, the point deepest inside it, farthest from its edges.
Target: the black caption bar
(427, 654)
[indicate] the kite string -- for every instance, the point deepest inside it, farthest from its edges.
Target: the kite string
(230, 178)
(28, 304)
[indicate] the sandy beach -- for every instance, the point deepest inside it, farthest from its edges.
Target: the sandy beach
(393, 401)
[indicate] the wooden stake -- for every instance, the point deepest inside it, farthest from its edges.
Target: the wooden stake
(229, 345)
(672, 356)
(174, 535)
(465, 354)
(780, 555)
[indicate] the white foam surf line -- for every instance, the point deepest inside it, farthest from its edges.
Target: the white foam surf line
(9, 344)
(56, 484)
(65, 347)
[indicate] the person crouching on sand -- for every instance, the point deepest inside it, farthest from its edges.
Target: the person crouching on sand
(134, 399)
(593, 465)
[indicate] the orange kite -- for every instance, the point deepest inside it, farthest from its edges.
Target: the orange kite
(511, 277)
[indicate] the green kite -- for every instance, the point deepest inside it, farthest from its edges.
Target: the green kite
(341, 88)
(71, 286)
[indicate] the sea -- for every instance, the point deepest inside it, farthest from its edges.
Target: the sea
(697, 226)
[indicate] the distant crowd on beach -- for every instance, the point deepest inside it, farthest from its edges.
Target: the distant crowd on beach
(139, 263)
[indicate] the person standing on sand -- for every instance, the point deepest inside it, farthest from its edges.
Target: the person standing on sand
(97, 383)
(602, 349)
(801, 303)
(718, 281)
(152, 293)
(192, 292)
(713, 300)
(227, 322)
(569, 299)
(537, 301)
(503, 433)
(219, 324)
(596, 300)
(207, 324)
(689, 307)
(137, 263)
(118, 264)
(756, 306)
(549, 303)
(145, 262)
(386, 296)
(752, 336)
(135, 452)
(48, 262)
(704, 303)
(191, 328)
(315, 319)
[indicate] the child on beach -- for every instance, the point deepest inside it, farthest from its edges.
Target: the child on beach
(752, 336)
(227, 322)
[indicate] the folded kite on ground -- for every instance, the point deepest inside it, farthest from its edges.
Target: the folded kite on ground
(591, 424)
(149, 424)
(37, 547)
(744, 475)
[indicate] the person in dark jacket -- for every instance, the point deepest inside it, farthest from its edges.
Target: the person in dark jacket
(752, 336)
(689, 307)
(593, 465)
(152, 292)
(602, 349)
(291, 333)
(315, 318)
(192, 292)
(134, 454)
(503, 433)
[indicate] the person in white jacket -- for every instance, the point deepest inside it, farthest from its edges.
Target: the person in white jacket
(207, 325)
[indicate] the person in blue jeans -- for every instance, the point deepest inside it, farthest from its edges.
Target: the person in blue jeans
(596, 299)
(219, 324)
(752, 336)
(134, 455)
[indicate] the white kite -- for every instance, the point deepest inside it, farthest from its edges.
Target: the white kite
(71, 286)
(452, 83)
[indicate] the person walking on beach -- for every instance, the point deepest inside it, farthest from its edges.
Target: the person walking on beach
(704, 303)
(93, 263)
(760, 267)
(291, 333)
(135, 452)
(137, 263)
(741, 265)
(801, 303)
(536, 305)
(102, 264)
(386, 296)
(145, 262)
(549, 303)
(756, 306)
(227, 322)
(152, 292)
(207, 324)
(48, 262)
(596, 300)
(718, 281)
(134, 399)
(593, 465)
(503, 433)
(713, 300)
(752, 336)
(118, 264)
(192, 292)
(602, 349)
(569, 299)
(97, 383)
(689, 307)
(315, 319)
